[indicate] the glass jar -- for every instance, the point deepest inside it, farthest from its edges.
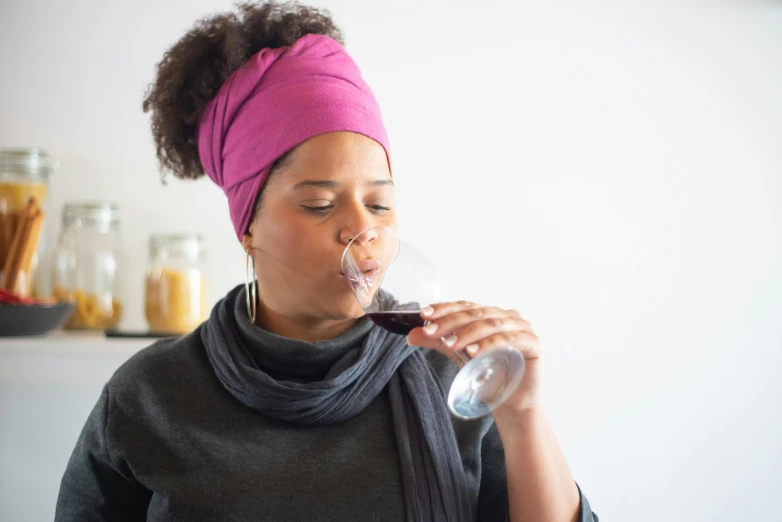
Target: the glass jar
(88, 265)
(176, 284)
(24, 174)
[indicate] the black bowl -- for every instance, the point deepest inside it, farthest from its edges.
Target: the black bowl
(17, 320)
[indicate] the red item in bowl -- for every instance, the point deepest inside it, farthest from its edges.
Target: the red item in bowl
(9, 298)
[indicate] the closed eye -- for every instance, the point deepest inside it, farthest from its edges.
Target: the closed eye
(319, 211)
(325, 209)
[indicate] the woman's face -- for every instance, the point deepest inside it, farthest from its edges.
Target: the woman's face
(328, 189)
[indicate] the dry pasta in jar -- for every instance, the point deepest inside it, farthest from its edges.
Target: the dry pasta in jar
(88, 265)
(176, 293)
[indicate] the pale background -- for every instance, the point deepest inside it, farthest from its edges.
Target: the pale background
(613, 173)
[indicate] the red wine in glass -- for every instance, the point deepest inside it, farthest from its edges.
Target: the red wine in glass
(399, 322)
(391, 281)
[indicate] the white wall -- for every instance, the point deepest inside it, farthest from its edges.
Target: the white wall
(614, 174)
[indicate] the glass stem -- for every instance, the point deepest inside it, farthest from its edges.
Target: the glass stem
(462, 356)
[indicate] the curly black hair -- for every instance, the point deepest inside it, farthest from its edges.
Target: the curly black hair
(194, 69)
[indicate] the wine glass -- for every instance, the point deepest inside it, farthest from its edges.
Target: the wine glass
(392, 282)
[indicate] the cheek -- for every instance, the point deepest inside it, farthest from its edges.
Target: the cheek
(288, 244)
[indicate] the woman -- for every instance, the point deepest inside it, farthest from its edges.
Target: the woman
(293, 406)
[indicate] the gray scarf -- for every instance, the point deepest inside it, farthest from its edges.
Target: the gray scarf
(433, 476)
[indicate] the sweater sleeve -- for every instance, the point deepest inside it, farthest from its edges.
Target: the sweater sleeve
(97, 487)
(493, 493)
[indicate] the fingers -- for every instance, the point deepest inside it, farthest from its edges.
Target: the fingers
(459, 336)
(456, 321)
(461, 325)
(436, 311)
(525, 342)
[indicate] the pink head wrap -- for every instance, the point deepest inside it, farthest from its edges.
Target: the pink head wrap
(280, 98)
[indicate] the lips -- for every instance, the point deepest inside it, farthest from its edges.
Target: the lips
(367, 267)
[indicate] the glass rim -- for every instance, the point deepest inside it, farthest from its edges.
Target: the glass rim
(353, 239)
(102, 211)
(189, 243)
(176, 237)
(32, 162)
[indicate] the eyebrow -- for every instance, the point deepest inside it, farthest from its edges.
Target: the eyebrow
(334, 184)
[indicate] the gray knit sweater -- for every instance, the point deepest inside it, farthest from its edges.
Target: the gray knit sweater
(166, 442)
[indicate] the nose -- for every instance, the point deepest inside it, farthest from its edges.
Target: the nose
(357, 222)
(362, 236)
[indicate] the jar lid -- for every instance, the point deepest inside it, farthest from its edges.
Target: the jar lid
(103, 211)
(29, 161)
(178, 237)
(188, 242)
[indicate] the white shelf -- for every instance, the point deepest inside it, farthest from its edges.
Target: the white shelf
(64, 358)
(62, 343)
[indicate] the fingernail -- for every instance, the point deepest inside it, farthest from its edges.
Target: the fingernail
(450, 340)
(430, 328)
(427, 310)
(471, 349)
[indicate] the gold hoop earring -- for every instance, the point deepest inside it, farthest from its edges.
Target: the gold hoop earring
(251, 296)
